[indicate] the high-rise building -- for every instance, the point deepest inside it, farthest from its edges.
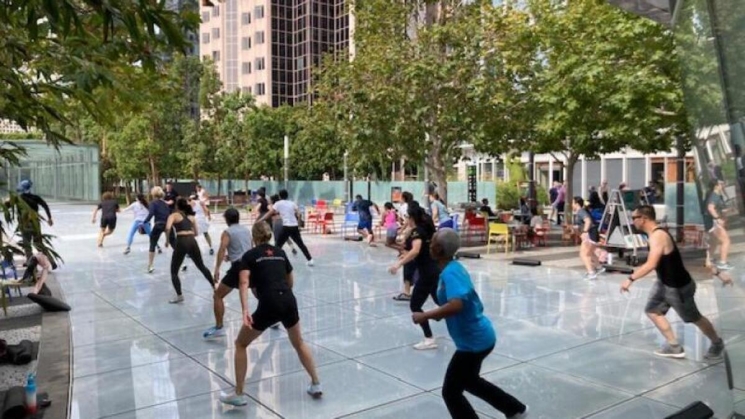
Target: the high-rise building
(269, 47)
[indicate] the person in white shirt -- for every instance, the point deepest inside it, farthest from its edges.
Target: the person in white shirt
(203, 196)
(140, 209)
(289, 213)
(203, 217)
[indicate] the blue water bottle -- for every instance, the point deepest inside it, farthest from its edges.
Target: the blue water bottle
(31, 393)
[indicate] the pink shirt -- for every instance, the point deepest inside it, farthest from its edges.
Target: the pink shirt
(390, 219)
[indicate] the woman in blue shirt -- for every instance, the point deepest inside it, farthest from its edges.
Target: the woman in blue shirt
(472, 332)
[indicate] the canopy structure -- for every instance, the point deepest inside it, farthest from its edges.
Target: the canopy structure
(657, 10)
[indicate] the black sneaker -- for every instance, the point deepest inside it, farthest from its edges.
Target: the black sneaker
(715, 351)
(212, 252)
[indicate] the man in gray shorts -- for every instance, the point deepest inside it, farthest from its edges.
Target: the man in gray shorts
(674, 288)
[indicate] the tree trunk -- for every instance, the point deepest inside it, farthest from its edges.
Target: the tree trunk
(154, 171)
(438, 169)
(568, 185)
(126, 192)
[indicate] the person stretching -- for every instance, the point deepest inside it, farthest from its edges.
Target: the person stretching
(418, 241)
(472, 332)
(108, 207)
(203, 218)
(674, 287)
(140, 209)
(268, 272)
(185, 225)
(290, 229)
(234, 242)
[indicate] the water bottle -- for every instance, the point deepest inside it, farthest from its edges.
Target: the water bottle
(31, 393)
(610, 258)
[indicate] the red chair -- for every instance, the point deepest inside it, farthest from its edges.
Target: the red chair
(326, 223)
(475, 227)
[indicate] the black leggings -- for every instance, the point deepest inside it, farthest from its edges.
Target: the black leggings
(425, 287)
(159, 229)
(187, 245)
(294, 234)
(463, 375)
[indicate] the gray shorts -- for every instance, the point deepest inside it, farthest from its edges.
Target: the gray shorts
(662, 297)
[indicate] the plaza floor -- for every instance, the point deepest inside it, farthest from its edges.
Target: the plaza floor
(566, 347)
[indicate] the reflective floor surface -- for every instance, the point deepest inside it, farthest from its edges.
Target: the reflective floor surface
(566, 347)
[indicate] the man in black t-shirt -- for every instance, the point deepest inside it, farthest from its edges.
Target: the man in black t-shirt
(268, 272)
(171, 196)
(263, 207)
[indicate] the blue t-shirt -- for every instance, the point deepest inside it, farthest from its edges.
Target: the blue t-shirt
(363, 208)
(470, 329)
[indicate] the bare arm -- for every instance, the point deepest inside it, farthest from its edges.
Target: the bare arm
(93, 217)
(416, 247)
(194, 227)
(244, 277)
(450, 308)
(272, 212)
(657, 243)
(169, 225)
(290, 279)
(206, 210)
(224, 241)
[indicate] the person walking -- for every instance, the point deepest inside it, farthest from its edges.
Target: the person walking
(674, 287)
(109, 207)
(716, 224)
(30, 224)
(558, 204)
(418, 242)
(184, 225)
(289, 213)
(409, 271)
(268, 272)
(159, 212)
(472, 332)
(234, 242)
(589, 236)
(140, 209)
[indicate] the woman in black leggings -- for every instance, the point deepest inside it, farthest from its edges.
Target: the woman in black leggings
(185, 225)
(422, 230)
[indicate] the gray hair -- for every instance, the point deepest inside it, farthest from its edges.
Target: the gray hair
(449, 241)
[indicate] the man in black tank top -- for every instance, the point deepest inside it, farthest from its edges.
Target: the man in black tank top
(674, 287)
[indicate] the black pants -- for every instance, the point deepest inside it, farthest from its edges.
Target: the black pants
(31, 237)
(158, 229)
(463, 375)
(425, 287)
(294, 234)
(187, 245)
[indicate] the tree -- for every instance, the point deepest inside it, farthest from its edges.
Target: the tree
(595, 80)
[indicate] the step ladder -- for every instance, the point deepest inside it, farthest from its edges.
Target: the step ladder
(617, 227)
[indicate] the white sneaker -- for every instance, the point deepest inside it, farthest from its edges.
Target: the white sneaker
(310, 262)
(177, 299)
(234, 399)
(427, 343)
(315, 390)
(523, 415)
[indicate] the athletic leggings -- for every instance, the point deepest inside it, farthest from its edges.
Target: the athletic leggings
(294, 234)
(463, 375)
(187, 245)
(425, 287)
(159, 229)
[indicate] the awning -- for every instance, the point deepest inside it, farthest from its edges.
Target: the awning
(658, 10)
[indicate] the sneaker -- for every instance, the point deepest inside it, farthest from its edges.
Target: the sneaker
(212, 252)
(724, 266)
(177, 299)
(591, 276)
(160, 251)
(523, 415)
(126, 251)
(669, 351)
(213, 332)
(315, 390)
(600, 271)
(150, 269)
(294, 251)
(234, 399)
(715, 351)
(310, 262)
(427, 343)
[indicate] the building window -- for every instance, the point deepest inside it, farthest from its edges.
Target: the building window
(260, 64)
(259, 12)
(245, 18)
(260, 89)
(206, 38)
(246, 68)
(215, 56)
(215, 33)
(205, 17)
(216, 11)
(246, 43)
(259, 37)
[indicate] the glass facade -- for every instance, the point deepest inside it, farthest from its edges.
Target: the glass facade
(710, 35)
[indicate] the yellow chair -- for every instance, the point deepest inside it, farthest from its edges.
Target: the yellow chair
(498, 232)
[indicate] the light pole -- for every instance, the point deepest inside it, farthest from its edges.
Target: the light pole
(346, 178)
(287, 159)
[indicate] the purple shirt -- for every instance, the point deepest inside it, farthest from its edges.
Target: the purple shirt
(561, 196)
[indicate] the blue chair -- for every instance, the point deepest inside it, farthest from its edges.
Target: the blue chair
(455, 222)
(351, 219)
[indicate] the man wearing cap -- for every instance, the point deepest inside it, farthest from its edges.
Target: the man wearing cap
(30, 226)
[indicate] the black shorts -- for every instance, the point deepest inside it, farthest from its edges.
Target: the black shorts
(662, 297)
(279, 307)
(232, 277)
(108, 222)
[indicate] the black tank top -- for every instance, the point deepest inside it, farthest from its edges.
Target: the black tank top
(670, 269)
(184, 224)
